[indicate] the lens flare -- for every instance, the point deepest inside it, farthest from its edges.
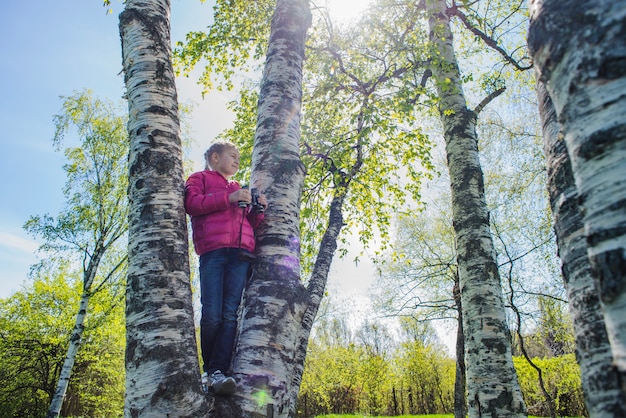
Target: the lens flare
(347, 10)
(261, 398)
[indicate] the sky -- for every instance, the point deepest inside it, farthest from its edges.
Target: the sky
(58, 48)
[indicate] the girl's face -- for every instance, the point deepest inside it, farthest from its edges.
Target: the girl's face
(226, 163)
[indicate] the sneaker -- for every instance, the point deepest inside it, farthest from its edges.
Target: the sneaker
(221, 385)
(205, 382)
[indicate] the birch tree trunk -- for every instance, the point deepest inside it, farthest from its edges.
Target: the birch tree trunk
(492, 385)
(70, 358)
(96, 216)
(460, 378)
(603, 395)
(579, 48)
(266, 361)
(89, 277)
(162, 370)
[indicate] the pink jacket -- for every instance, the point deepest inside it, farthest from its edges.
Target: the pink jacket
(215, 222)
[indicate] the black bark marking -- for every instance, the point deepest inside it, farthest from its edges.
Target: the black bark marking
(610, 267)
(495, 345)
(608, 234)
(602, 141)
(612, 68)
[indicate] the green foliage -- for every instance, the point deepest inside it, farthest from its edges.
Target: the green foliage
(98, 381)
(418, 272)
(360, 133)
(233, 44)
(563, 382)
(427, 378)
(366, 374)
(556, 328)
(34, 333)
(89, 234)
(330, 382)
(97, 180)
(33, 326)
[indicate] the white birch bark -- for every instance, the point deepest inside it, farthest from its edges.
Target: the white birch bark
(603, 395)
(162, 370)
(269, 346)
(108, 235)
(460, 385)
(492, 385)
(70, 358)
(579, 48)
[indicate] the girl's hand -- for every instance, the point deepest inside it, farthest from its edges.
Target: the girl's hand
(241, 195)
(262, 200)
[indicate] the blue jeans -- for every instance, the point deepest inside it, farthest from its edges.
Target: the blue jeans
(222, 279)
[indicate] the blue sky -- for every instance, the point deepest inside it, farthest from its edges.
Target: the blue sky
(52, 49)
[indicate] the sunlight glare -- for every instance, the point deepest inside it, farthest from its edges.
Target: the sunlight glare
(346, 10)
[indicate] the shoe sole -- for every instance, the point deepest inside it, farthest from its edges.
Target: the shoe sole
(226, 387)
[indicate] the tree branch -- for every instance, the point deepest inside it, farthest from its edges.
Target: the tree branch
(488, 100)
(454, 11)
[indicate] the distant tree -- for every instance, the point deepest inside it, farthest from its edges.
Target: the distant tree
(555, 328)
(331, 383)
(34, 339)
(376, 368)
(492, 385)
(374, 373)
(425, 377)
(95, 219)
(562, 380)
(579, 53)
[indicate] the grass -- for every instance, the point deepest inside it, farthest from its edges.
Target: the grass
(399, 416)
(380, 416)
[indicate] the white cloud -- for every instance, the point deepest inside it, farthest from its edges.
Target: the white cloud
(17, 254)
(16, 242)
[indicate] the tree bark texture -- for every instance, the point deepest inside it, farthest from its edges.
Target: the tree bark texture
(460, 400)
(266, 362)
(579, 49)
(89, 275)
(70, 358)
(492, 385)
(162, 370)
(603, 395)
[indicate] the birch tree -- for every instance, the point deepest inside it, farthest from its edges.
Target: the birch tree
(579, 50)
(95, 218)
(278, 311)
(603, 395)
(34, 324)
(492, 384)
(162, 369)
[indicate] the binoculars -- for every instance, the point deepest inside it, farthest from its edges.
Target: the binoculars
(256, 206)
